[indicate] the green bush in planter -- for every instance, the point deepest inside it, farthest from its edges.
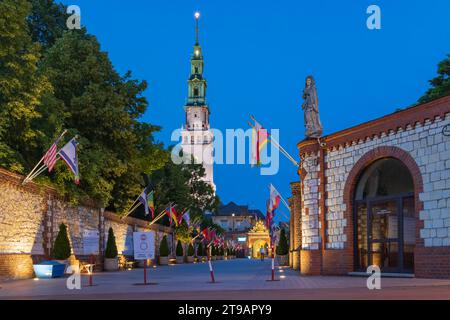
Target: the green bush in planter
(111, 247)
(163, 247)
(61, 248)
(213, 251)
(282, 248)
(200, 250)
(179, 250)
(221, 251)
(190, 251)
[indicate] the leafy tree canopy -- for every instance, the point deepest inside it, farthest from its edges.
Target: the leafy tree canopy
(440, 85)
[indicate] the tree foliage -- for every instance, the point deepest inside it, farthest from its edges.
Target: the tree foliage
(52, 79)
(283, 247)
(179, 250)
(21, 87)
(164, 247)
(440, 85)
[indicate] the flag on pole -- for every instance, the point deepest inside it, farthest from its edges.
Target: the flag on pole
(143, 199)
(50, 157)
(151, 204)
(186, 217)
(275, 198)
(69, 154)
(172, 214)
(259, 141)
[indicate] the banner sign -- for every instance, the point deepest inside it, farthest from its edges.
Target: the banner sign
(144, 245)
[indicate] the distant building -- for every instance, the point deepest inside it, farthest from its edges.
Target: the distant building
(244, 225)
(236, 218)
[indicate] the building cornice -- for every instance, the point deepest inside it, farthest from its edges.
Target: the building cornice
(400, 120)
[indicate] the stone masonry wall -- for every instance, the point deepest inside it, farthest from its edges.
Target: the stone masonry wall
(30, 216)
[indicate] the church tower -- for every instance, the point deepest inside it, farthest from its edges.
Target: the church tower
(196, 134)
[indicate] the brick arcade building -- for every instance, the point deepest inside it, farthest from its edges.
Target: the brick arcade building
(376, 194)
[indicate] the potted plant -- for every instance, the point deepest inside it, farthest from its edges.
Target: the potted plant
(282, 249)
(190, 253)
(61, 249)
(179, 252)
(213, 253)
(164, 252)
(111, 260)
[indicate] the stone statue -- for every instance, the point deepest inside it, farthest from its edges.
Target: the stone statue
(313, 127)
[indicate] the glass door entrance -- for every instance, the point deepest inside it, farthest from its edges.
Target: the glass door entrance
(385, 234)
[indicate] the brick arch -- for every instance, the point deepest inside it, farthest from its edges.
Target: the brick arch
(354, 175)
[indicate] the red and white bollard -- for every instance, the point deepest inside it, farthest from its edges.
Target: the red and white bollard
(211, 268)
(273, 266)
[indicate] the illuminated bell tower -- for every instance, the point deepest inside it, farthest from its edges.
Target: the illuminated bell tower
(197, 136)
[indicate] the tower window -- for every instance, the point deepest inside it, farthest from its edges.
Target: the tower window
(195, 92)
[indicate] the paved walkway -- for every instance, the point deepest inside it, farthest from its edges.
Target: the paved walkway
(236, 279)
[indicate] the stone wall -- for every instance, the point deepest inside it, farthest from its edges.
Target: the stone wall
(30, 217)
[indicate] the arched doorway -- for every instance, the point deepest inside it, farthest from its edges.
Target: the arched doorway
(384, 217)
(256, 247)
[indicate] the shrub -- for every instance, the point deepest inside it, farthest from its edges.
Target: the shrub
(179, 250)
(111, 247)
(200, 250)
(61, 248)
(282, 248)
(221, 251)
(164, 247)
(213, 251)
(190, 251)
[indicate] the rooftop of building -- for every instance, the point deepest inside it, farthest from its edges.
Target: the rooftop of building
(238, 210)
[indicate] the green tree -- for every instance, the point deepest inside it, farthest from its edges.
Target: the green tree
(61, 248)
(179, 249)
(47, 22)
(164, 247)
(283, 247)
(21, 87)
(111, 247)
(440, 85)
(103, 109)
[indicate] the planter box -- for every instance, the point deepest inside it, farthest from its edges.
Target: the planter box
(180, 260)
(111, 264)
(283, 260)
(190, 259)
(49, 269)
(164, 261)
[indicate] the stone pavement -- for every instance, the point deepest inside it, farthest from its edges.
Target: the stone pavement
(236, 279)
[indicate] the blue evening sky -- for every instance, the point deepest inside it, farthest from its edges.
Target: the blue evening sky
(257, 55)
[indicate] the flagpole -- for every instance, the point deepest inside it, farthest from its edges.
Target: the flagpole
(281, 197)
(160, 215)
(28, 177)
(279, 146)
(133, 207)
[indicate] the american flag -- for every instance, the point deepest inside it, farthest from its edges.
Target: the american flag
(50, 157)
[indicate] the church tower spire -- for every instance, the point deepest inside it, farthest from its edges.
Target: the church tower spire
(197, 136)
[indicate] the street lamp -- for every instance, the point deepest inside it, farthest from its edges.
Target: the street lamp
(232, 219)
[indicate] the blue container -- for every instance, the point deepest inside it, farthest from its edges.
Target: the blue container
(49, 269)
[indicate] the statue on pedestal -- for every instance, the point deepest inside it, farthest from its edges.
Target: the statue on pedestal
(313, 127)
